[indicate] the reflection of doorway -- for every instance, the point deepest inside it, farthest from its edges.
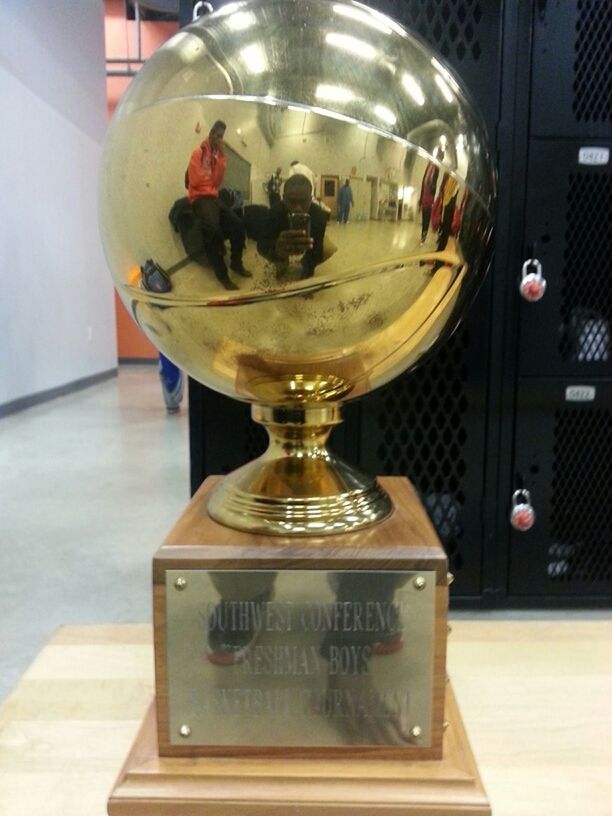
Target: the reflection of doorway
(329, 193)
(238, 173)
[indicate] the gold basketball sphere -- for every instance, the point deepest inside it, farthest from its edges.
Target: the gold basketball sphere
(309, 286)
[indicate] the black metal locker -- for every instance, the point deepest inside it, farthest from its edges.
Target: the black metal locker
(568, 215)
(564, 458)
(430, 425)
(571, 92)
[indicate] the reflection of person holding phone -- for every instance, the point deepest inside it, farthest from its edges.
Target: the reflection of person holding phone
(294, 227)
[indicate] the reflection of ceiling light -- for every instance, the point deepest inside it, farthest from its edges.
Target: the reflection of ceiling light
(445, 73)
(241, 20)
(385, 114)
(413, 88)
(367, 17)
(362, 16)
(446, 91)
(460, 142)
(334, 93)
(443, 141)
(254, 59)
(358, 47)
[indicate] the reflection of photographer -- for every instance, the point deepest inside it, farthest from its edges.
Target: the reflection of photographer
(295, 226)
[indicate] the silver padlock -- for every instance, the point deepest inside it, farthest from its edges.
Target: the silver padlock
(533, 283)
(522, 515)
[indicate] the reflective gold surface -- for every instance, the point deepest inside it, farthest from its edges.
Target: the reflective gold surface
(320, 318)
(298, 486)
(339, 659)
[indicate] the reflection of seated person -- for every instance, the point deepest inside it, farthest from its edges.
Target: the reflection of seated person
(279, 242)
(203, 178)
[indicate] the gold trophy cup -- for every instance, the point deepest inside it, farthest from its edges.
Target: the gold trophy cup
(385, 162)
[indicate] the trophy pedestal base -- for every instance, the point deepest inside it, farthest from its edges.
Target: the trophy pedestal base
(272, 786)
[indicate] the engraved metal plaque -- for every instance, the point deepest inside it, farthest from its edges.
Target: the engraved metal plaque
(300, 657)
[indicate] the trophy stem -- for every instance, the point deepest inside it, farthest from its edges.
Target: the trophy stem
(298, 486)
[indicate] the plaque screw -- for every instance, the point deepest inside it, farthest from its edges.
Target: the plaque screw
(449, 628)
(445, 724)
(449, 578)
(419, 582)
(180, 583)
(416, 732)
(447, 679)
(185, 731)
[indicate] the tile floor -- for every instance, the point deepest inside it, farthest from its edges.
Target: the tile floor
(90, 483)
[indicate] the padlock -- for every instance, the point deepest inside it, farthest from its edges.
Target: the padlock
(522, 515)
(533, 284)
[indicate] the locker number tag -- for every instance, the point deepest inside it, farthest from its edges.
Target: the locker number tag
(593, 155)
(580, 393)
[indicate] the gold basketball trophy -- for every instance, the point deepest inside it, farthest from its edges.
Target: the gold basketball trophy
(299, 605)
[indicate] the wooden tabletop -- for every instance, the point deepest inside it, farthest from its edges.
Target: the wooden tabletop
(536, 699)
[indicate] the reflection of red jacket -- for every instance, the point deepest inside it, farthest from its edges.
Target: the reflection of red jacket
(428, 187)
(205, 172)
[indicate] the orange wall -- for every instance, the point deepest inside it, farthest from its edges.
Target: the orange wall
(121, 42)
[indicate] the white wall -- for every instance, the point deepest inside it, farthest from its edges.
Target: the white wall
(56, 302)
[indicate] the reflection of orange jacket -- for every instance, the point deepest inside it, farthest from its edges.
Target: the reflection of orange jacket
(205, 172)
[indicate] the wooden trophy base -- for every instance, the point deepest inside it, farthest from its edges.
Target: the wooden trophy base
(181, 766)
(150, 785)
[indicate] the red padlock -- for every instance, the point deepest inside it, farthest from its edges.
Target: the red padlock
(522, 515)
(533, 283)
